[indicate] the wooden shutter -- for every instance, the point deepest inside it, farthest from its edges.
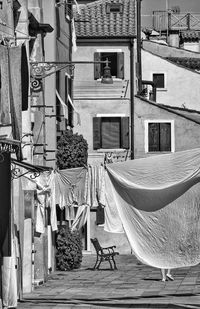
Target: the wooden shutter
(97, 132)
(165, 136)
(154, 136)
(120, 65)
(97, 66)
(125, 132)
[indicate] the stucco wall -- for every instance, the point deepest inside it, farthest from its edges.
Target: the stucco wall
(90, 108)
(187, 133)
(85, 72)
(182, 85)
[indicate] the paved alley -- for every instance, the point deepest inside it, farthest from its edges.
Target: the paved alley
(133, 285)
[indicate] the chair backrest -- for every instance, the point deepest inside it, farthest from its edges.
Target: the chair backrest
(96, 244)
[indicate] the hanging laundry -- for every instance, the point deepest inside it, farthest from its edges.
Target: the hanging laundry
(71, 187)
(45, 186)
(159, 207)
(5, 205)
(81, 217)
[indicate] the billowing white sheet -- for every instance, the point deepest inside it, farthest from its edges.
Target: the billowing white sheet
(158, 202)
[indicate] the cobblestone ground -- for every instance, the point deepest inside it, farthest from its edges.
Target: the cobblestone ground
(133, 285)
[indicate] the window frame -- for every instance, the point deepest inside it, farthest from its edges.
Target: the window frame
(146, 135)
(114, 51)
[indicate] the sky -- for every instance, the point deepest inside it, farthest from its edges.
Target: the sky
(148, 6)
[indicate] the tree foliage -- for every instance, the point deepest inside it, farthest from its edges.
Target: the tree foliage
(72, 150)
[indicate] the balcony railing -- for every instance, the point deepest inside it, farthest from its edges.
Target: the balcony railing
(163, 21)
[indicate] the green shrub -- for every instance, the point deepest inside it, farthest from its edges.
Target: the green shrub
(72, 150)
(68, 249)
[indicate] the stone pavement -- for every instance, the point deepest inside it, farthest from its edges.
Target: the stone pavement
(133, 285)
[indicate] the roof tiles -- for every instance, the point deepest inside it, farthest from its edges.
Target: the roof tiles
(190, 63)
(97, 21)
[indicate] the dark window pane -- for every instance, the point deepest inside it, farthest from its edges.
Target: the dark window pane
(110, 133)
(165, 137)
(154, 137)
(159, 80)
(112, 57)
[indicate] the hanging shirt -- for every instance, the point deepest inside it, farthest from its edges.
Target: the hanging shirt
(71, 186)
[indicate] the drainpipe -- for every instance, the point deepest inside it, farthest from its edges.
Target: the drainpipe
(132, 95)
(139, 61)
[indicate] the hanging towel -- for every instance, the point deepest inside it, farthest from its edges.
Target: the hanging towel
(158, 200)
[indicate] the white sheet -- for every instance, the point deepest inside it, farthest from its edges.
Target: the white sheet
(157, 199)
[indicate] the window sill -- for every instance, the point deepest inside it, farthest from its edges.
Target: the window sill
(161, 89)
(159, 152)
(115, 79)
(111, 150)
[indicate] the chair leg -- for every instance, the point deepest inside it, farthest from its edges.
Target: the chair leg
(115, 267)
(99, 263)
(110, 264)
(95, 265)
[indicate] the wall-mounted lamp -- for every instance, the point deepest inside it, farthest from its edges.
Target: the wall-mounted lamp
(107, 77)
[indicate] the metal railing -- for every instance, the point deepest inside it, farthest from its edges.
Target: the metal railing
(163, 21)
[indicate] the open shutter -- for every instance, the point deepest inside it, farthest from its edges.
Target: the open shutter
(97, 132)
(165, 136)
(120, 65)
(97, 66)
(154, 136)
(125, 132)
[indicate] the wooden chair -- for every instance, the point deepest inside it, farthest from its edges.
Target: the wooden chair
(104, 254)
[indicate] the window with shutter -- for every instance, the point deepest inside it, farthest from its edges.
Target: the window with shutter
(110, 132)
(159, 137)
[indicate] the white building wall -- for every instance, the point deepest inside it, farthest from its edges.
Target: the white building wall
(182, 86)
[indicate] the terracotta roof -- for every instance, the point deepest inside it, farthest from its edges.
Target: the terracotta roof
(106, 18)
(191, 63)
(190, 35)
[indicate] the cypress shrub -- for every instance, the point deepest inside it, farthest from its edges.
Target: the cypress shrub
(72, 150)
(68, 249)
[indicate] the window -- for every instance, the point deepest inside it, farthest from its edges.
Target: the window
(116, 64)
(159, 136)
(159, 80)
(110, 132)
(114, 8)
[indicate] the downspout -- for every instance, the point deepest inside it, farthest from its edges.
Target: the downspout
(139, 60)
(132, 96)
